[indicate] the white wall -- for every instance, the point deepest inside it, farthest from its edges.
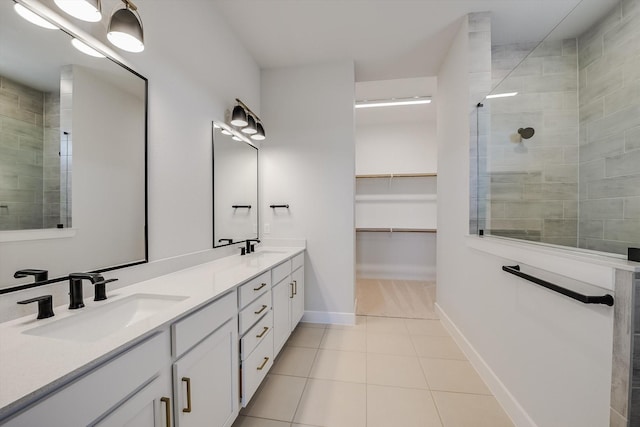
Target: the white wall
(547, 358)
(308, 162)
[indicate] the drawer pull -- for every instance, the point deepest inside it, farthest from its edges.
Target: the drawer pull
(188, 381)
(167, 409)
(292, 294)
(295, 287)
(264, 331)
(260, 287)
(261, 310)
(266, 359)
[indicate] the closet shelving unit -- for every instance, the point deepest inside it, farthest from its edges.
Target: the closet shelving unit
(385, 204)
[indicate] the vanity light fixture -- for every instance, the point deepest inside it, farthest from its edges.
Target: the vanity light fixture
(86, 10)
(125, 28)
(85, 48)
(393, 102)
(33, 17)
(501, 95)
(246, 121)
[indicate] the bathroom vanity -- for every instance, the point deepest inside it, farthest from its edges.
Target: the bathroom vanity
(179, 349)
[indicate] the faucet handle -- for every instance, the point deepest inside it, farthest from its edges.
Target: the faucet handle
(100, 293)
(45, 305)
(93, 277)
(38, 275)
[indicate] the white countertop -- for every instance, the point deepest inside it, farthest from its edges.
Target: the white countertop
(31, 366)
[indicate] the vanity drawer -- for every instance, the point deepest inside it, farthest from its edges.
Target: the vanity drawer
(194, 328)
(280, 271)
(256, 335)
(253, 289)
(297, 261)
(256, 367)
(254, 311)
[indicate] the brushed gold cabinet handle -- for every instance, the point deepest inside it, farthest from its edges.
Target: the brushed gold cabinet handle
(295, 287)
(167, 410)
(261, 310)
(266, 359)
(188, 381)
(264, 331)
(260, 287)
(292, 294)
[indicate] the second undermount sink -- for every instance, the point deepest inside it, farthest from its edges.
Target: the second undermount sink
(95, 323)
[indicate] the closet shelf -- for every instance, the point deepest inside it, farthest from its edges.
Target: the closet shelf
(397, 230)
(397, 175)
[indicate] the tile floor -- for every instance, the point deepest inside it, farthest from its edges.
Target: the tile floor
(396, 298)
(382, 372)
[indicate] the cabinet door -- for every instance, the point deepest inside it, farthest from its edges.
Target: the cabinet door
(282, 295)
(205, 381)
(297, 302)
(149, 407)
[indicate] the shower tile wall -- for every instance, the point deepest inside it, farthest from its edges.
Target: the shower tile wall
(609, 67)
(21, 144)
(51, 161)
(531, 186)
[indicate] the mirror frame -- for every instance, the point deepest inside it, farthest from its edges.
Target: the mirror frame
(213, 198)
(72, 34)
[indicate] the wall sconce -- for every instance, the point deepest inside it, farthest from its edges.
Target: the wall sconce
(85, 10)
(125, 28)
(247, 122)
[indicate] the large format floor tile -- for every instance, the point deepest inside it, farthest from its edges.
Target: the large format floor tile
(427, 327)
(386, 325)
(397, 344)
(277, 398)
(398, 371)
(345, 340)
(295, 361)
(243, 421)
(392, 406)
(470, 410)
(437, 347)
(453, 375)
(303, 336)
(332, 404)
(340, 366)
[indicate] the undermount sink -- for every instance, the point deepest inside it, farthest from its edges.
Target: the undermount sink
(269, 252)
(101, 321)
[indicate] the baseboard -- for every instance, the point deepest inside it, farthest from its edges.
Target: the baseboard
(398, 272)
(329, 317)
(509, 403)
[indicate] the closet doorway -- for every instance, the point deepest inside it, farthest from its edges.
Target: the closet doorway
(396, 187)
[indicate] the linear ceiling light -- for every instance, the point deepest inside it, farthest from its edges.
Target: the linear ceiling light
(125, 28)
(393, 102)
(33, 17)
(501, 95)
(86, 10)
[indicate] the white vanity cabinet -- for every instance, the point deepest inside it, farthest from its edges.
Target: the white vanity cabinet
(205, 379)
(132, 389)
(255, 323)
(288, 299)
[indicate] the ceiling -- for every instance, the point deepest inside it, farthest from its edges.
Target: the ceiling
(387, 39)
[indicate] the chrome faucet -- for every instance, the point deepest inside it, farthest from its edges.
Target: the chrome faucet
(76, 299)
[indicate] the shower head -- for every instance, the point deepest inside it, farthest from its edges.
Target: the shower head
(526, 133)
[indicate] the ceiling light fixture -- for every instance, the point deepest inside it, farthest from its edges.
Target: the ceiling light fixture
(246, 121)
(501, 95)
(85, 48)
(86, 10)
(33, 17)
(125, 28)
(393, 102)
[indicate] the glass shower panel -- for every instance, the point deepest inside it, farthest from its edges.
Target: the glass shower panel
(559, 153)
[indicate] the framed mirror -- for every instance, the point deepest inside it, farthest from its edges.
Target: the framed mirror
(73, 137)
(235, 187)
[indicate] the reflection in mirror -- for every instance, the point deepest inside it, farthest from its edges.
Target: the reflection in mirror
(72, 156)
(574, 180)
(235, 188)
